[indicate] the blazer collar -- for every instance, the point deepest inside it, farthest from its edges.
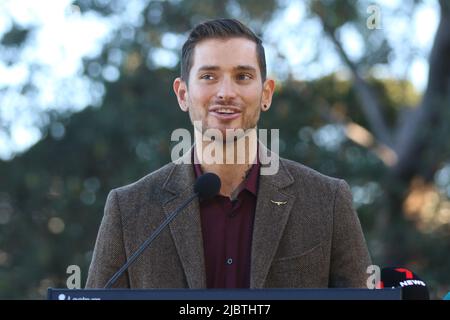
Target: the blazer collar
(273, 207)
(186, 227)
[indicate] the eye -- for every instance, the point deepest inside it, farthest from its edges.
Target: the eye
(207, 77)
(244, 76)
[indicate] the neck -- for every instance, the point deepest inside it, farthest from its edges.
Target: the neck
(230, 161)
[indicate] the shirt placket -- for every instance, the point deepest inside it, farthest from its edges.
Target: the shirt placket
(232, 242)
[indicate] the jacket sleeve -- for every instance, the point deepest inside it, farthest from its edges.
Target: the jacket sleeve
(349, 254)
(109, 252)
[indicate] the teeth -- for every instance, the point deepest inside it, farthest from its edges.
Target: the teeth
(225, 110)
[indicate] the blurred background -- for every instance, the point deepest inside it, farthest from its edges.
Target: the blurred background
(86, 105)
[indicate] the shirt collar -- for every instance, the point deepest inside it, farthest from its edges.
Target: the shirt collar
(251, 180)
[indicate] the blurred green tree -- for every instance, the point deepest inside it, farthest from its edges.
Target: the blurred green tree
(364, 130)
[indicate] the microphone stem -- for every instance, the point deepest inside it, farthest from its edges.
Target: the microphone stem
(148, 241)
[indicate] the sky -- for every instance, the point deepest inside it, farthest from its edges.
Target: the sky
(63, 36)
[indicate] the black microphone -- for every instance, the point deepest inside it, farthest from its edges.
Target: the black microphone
(413, 288)
(206, 186)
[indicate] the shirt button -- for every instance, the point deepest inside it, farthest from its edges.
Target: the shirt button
(229, 261)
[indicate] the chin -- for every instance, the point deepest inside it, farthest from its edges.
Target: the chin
(222, 127)
(214, 132)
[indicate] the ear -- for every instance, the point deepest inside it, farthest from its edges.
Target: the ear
(268, 89)
(180, 89)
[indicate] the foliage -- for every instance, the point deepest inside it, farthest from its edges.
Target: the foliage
(52, 196)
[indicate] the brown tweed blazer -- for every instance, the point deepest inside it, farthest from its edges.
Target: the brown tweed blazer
(313, 241)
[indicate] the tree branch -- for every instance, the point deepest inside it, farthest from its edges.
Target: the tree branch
(368, 100)
(415, 132)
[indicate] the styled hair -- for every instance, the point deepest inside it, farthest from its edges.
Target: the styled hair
(221, 29)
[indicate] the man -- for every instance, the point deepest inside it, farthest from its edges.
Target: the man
(291, 228)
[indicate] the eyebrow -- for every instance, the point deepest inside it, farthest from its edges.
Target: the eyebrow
(208, 68)
(246, 68)
(215, 68)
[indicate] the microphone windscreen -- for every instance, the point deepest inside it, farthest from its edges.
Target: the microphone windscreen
(413, 288)
(207, 185)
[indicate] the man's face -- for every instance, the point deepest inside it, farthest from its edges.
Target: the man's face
(225, 89)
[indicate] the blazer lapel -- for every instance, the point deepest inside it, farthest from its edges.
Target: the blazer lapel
(272, 212)
(186, 227)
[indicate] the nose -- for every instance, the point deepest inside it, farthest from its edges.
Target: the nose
(226, 89)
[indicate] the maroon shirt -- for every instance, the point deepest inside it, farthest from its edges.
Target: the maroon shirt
(227, 228)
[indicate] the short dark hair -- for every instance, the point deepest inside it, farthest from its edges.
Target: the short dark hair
(222, 29)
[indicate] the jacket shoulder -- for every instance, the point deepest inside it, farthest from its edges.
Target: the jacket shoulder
(146, 187)
(309, 176)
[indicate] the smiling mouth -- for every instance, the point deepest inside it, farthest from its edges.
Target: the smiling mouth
(225, 114)
(226, 111)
